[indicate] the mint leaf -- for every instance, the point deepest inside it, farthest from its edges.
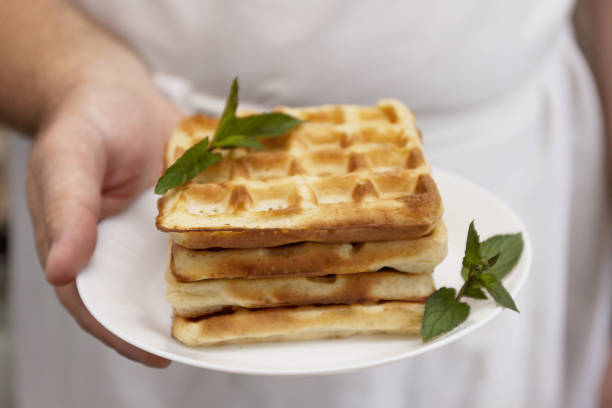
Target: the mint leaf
(442, 313)
(475, 292)
(245, 131)
(230, 132)
(509, 247)
(265, 125)
(239, 140)
(465, 272)
(493, 260)
(497, 291)
(472, 255)
(228, 115)
(195, 160)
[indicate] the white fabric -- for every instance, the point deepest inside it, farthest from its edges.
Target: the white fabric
(436, 54)
(503, 97)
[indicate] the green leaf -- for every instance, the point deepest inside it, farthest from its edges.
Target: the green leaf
(239, 140)
(245, 131)
(195, 160)
(493, 260)
(228, 115)
(509, 247)
(472, 255)
(442, 313)
(475, 292)
(497, 291)
(465, 272)
(265, 125)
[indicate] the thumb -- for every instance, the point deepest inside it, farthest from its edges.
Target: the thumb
(64, 179)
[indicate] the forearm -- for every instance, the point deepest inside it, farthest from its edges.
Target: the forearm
(48, 48)
(601, 14)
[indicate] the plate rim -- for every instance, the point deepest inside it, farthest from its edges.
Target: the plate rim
(454, 335)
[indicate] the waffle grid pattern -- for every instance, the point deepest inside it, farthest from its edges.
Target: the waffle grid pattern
(342, 154)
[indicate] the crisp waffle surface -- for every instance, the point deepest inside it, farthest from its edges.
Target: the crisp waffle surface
(348, 174)
(419, 255)
(202, 298)
(299, 323)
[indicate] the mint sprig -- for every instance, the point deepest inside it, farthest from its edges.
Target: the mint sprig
(194, 161)
(232, 131)
(484, 265)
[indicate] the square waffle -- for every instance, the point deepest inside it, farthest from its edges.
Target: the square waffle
(209, 296)
(299, 323)
(419, 255)
(348, 174)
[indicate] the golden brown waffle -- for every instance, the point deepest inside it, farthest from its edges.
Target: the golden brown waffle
(299, 323)
(213, 295)
(349, 174)
(419, 255)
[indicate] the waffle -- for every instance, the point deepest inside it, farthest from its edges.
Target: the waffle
(418, 255)
(210, 296)
(349, 174)
(300, 323)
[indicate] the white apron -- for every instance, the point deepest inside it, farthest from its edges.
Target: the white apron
(503, 97)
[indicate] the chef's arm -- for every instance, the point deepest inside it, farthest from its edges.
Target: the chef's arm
(99, 127)
(601, 17)
(47, 48)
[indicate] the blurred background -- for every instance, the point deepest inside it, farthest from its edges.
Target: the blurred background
(582, 24)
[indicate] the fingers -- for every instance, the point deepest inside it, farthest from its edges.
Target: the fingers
(80, 172)
(64, 178)
(71, 300)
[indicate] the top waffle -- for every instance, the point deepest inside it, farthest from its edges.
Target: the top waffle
(348, 174)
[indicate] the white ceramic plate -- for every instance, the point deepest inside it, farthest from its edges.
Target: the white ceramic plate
(123, 288)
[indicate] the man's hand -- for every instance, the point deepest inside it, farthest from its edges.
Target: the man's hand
(99, 125)
(100, 148)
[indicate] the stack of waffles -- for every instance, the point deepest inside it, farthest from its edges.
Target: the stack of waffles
(333, 229)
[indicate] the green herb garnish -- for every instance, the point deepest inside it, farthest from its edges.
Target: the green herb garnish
(484, 265)
(231, 131)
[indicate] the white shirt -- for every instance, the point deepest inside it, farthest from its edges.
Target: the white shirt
(503, 97)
